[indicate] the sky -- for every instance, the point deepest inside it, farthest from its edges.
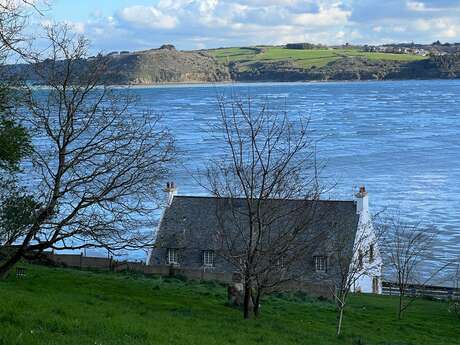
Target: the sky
(195, 24)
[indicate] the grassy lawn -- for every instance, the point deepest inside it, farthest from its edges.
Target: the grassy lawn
(304, 58)
(64, 306)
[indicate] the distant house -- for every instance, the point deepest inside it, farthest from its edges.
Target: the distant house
(186, 238)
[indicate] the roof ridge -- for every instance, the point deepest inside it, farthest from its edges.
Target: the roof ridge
(213, 197)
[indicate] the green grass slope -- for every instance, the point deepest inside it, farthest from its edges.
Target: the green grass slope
(304, 58)
(64, 306)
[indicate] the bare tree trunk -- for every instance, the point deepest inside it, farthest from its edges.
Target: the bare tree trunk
(256, 303)
(400, 309)
(339, 320)
(247, 301)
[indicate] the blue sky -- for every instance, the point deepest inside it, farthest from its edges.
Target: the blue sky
(195, 24)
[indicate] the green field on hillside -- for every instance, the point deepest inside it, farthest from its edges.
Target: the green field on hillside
(304, 58)
(65, 306)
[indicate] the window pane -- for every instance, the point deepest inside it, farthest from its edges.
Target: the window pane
(320, 263)
(173, 257)
(208, 258)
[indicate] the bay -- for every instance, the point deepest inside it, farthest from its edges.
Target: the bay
(401, 139)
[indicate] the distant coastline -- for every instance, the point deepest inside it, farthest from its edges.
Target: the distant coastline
(270, 64)
(242, 83)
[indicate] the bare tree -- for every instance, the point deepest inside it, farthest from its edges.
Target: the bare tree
(96, 165)
(266, 184)
(14, 16)
(357, 258)
(408, 247)
(12, 22)
(14, 138)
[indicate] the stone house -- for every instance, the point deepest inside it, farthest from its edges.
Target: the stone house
(187, 238)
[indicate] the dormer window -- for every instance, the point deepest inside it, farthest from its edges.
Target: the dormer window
(208, 258)
(320, 263)
(172, 256)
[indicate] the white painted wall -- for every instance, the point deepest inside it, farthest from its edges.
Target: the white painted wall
(171, 192)
(365, 236)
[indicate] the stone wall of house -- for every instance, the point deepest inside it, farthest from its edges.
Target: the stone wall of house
(199, 274)
(189, 258)
(192, 259)
(85, 262)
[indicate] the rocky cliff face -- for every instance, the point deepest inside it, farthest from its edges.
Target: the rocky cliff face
(165, 65)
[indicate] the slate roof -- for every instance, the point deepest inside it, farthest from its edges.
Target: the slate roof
(191, 221)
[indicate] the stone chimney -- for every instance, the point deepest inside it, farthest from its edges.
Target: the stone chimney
(170, 191)
(362, 200)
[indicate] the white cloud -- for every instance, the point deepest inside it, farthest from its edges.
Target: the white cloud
(194, 24)
(440, 28)
(422, 25)
(327, 16)
(78, 27)
(148, 16)
(227, 22)
(416, 6)
(399, 28)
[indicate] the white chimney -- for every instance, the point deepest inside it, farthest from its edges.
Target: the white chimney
(170, 191)
(362, 201)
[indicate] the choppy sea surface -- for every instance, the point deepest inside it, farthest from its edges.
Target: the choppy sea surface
(401, 139)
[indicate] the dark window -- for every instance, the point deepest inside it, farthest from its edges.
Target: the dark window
(320, 263)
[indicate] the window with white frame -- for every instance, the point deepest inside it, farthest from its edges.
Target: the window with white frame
(173, 256)
(208, 258)
(281, 262)
(320, 263)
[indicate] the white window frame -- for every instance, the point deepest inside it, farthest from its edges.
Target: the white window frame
(208, 258)
(280, 263)
(320, 263)
(172, 256)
